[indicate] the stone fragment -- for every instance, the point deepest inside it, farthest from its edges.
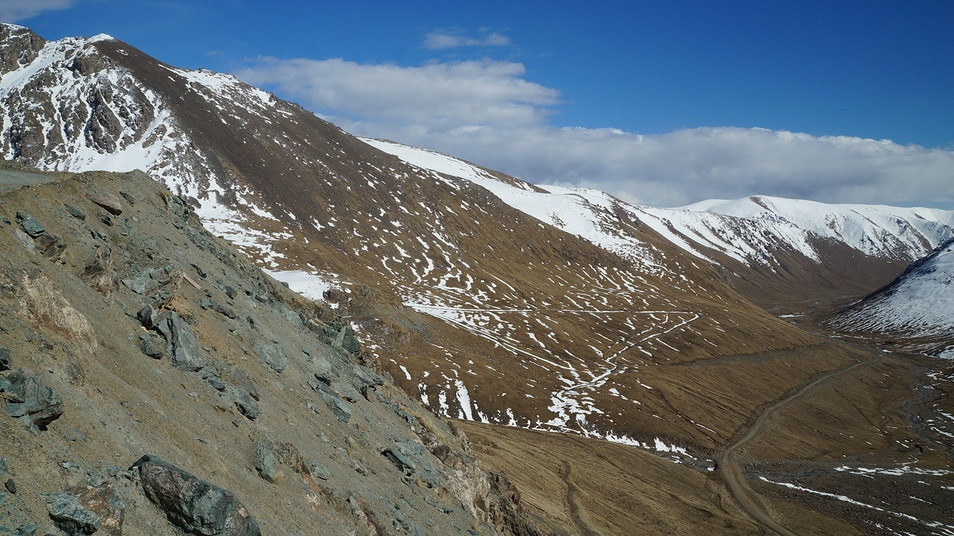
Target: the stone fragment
(70, 516)
(11, 486)
(221, 308)
(152, 345)
(192, 504)
(246, 405)
(75, 212)
(128, 197)
(31, 400)
(265, 462)
(88, 509)
(402, 462)
(4, 359)
(182, 346)
(272, 354)
(29, 225)
(108, 201)
(24, 240)
(339, 408)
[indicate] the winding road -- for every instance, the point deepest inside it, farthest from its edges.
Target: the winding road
(730, 471)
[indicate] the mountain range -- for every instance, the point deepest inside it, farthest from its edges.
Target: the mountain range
(485, 297)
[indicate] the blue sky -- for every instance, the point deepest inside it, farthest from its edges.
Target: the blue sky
(658, 102)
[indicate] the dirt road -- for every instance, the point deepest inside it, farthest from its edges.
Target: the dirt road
(731, 473)
(15, 179)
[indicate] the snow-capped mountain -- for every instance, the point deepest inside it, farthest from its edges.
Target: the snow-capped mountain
(761, 233)
(918, 305)
(903, 234)
(488, 298)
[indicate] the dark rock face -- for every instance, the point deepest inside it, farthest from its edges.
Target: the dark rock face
(24, 46)
(192, 504)
(31, 400)
(4, 359)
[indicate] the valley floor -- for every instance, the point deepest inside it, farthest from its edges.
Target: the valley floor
(861, 450)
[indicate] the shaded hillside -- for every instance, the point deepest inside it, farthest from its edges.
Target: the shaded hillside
(128, 330)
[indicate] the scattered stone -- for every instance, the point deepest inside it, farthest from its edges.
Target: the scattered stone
(192, 504)
(107, 220)
(272, 354)
(72, 517)
(75, 212)
(318, 471)
(4, 359)
(182, 347)
(222, 309)
(87, 509)
(339, 408)
(151, 344)
(265, 462)
(247, 405)
(26, 530)
(128, 197)
(24, 240)
(229, 291)
(29, 225)
(30, 400)
(11, 486)
(108, 201)
(199, 271)
(402, 462)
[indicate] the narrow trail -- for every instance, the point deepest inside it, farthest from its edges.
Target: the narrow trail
(575, 515)
(729, 468)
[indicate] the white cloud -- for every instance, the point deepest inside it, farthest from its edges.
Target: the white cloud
(486, 112)
(438, 95)
(445, 39)
(19, 10)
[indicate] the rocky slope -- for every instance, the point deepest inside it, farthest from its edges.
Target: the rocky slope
(155, 381)
(917, 307)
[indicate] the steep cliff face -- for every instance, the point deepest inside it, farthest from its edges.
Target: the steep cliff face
(153, 378)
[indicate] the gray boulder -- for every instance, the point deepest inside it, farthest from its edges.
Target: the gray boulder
(182, 346)
(88, 509)
(31, 400)
(272, 354)
(29, 225)
(72, 517)
(192, 504)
